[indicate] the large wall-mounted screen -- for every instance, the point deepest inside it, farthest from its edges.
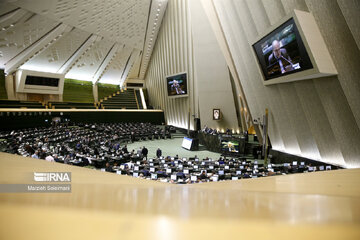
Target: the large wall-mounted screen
(28, 81)
(177, 85)
(282, 52)
(42, 81)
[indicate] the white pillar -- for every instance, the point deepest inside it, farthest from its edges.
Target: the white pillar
(9, 85)
(95, 92)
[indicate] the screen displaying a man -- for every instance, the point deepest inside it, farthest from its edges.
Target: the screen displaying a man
(282, 52)
(176, 86)
(231, 147)
(279, 55)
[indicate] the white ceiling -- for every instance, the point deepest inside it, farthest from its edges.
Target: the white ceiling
(87, 65)
(91, 40)
(54, 56)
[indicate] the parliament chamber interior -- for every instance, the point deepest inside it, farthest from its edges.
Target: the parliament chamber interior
(169, 119)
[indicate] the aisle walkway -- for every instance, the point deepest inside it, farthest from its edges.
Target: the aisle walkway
(171, 147)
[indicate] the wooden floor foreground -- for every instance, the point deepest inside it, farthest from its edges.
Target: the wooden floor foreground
(321, 205)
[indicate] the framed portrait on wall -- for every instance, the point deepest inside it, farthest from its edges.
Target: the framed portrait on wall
(216, 114)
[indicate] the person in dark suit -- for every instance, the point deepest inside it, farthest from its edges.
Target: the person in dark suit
(124, 149)
(158, 153)
(29, 149)
(281, 56)
(108, 167)
(144, 152)
(42, 154)
(203, 175)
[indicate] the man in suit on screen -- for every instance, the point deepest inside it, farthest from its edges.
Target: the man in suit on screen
(280, 55)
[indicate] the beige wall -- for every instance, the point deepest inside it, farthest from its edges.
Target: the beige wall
(317, 118)
(172, 54)
(211, 74)
(186, 43)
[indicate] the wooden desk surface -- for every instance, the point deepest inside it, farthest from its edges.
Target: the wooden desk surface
(320, 205)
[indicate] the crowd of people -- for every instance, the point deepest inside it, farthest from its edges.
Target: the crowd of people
(82, 143)
(104, 146)
(208, 130)
(193, 170)
(212, 131)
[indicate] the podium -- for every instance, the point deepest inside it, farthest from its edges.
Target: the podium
(191, 144)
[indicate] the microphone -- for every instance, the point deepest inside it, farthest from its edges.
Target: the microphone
(287, 60)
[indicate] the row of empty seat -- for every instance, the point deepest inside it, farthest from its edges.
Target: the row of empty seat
(125, 99)
(21, 104)
(122, 99)
(67, 105)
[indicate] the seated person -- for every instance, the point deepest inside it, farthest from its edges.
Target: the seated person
(35, 155)
(108, 167)
(56, 158)
(49, 158)
(203, 175)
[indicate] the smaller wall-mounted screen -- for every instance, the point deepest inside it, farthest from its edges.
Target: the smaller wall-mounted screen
(229, 146)
(42, 81)
(282, 52)
(177, 85)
